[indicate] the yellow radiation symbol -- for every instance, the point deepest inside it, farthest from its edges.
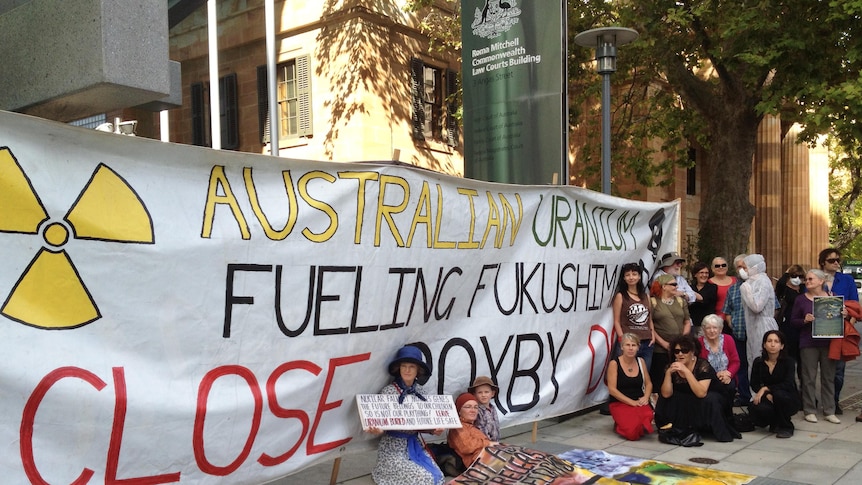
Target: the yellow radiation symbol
(50, 293)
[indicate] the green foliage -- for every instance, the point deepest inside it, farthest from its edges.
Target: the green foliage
(441, 25)
(831, 103)
(703, 74)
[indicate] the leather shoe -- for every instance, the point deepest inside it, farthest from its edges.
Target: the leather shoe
(784, 433)
(859, 418)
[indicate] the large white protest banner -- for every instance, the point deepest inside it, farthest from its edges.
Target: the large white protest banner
(174, 314)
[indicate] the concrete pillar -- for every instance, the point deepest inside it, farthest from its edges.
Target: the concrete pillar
(818, 165)
(796, 219)
(767, 162)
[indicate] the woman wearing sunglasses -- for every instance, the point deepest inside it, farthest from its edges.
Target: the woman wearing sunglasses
(670, 319)
(689, 401)
(722, 281)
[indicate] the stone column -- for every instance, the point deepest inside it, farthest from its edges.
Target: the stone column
(796, 219)
(818, 166)
(767, 200)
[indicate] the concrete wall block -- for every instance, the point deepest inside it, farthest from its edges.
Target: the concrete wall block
(68, 59)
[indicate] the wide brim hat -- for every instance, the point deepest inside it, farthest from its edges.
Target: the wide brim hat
(413, 355)
(482, 381)
(670, 258)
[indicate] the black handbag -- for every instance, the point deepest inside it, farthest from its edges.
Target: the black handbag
(743, 422)
(680, 437)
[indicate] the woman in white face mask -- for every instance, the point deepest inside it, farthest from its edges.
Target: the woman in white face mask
(788, 287)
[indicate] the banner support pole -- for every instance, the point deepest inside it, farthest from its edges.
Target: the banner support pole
(333, 478)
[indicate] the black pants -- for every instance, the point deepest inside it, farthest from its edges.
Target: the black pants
(659, 363)
(776, 413)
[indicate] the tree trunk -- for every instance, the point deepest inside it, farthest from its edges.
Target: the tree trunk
(726, 211)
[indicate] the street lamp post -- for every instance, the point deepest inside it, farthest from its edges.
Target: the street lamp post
(605, 40)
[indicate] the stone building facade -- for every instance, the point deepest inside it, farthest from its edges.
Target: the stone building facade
(359, 82)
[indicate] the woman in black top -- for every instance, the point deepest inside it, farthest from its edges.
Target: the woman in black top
(773, 378)
(788, 287)
(690, 399)
(706, 294)
(630, 388)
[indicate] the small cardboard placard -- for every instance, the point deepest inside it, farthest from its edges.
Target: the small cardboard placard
(828, 317)
(383, 411)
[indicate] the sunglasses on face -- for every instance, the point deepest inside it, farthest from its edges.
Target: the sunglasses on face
(797, 276)
(680, 351)
(671, 284)
(721, 265)
(833, 260)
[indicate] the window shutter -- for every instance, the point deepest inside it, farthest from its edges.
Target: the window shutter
(451, 108)
(262, 104)
(303, 95)
(229, 112)
(198, 120)
(416, 85)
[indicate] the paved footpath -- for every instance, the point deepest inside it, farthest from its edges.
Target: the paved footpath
(819, 453)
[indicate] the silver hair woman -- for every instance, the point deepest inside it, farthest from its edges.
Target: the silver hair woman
(814, 352)
(719, 350)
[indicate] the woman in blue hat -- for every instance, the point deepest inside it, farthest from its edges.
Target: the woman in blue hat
(401, 457)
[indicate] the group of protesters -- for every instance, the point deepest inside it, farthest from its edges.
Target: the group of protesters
(687, 352)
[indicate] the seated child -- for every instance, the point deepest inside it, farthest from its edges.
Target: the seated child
(487, 422)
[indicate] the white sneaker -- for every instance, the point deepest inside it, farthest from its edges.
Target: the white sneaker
(811, 418)
(833, 419)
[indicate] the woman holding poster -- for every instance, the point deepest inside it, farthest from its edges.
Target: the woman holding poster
(401, 456)
(814, 351)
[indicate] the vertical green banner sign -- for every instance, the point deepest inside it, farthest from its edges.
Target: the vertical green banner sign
(513, 73)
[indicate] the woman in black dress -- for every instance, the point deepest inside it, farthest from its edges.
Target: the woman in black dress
(690, 398)
(773, 378)
(788, 287)
(706, 294)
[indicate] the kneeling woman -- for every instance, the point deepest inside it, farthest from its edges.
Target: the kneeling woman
(630, 388)
(773, 378)
(690, 398)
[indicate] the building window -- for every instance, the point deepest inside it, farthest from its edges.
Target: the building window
(288, 100)
(432, 103)
(433, 89)
(228, 113)
(200, 124)
(90, 122)
(294, 99)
